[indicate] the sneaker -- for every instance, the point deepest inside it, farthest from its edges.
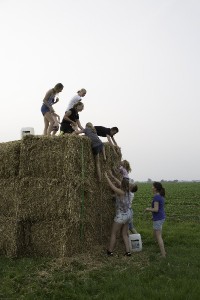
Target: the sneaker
(109, 253)
(127, 254)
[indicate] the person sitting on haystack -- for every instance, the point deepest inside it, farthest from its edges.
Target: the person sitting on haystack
(71, 119)
(97, 145)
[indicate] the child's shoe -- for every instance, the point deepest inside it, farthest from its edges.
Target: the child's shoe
(109, 253)
(127, 254)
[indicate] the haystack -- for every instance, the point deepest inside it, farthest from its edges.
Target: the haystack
(53, 195)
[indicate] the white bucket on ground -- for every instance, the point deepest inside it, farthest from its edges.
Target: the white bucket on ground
(135, 242)
(27, 131)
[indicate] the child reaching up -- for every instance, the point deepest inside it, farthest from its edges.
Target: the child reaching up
(125, 168)
(123, 216)
(97, 145)
(131, 227)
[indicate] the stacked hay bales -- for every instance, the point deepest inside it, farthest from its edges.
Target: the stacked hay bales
(54, 198)
(9, 181)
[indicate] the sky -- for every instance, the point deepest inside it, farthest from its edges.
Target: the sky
(138, 60)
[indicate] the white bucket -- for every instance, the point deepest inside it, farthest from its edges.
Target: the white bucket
(27, 131)
(135, 242)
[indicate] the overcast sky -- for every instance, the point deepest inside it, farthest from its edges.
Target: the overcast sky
(139, 60)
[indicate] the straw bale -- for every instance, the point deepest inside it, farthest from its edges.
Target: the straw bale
(60, 156)
(53, 238)
(11, 238)
(9, 159)
(9, 197)
(54, 157)
(58, 238)
(48, 198)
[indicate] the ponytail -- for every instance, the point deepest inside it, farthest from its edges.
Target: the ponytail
(159, 188)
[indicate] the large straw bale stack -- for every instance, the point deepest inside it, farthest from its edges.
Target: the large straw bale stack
(9, 159)
(57, 205)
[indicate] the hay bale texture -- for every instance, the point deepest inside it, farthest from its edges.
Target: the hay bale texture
(50, 197)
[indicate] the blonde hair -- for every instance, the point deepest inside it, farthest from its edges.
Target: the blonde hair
(78, 104)
(82, 90)
(90, 125)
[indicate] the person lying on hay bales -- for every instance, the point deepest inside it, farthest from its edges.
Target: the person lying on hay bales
(71, 120)
(109, 133)
(47, 109)
(97, 145)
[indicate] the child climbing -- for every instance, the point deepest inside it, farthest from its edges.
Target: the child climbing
(97, 145)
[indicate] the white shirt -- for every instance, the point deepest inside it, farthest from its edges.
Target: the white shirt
(73, 101)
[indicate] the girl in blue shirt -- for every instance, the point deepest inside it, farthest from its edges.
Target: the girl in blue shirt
(158, 213)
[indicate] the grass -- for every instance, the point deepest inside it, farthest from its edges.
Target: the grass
(144, 275)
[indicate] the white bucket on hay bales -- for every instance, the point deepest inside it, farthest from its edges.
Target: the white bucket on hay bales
(27, 131)
(135, 242)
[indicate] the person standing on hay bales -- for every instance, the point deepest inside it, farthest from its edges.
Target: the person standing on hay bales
(109, 133)
(81, 93)
(97, 145)
(71, 119)
(47, 109)
(123, 213)
(158, 213)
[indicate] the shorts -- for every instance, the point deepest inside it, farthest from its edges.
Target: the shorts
(123, 218)
(97, 149)
(44, 109)
(66, 128)
(157, 225)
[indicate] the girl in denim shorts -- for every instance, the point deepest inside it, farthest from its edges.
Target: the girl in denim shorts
(158, 213)
(123, 213)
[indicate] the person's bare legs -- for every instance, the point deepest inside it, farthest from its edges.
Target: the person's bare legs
(115, 228)
(158, 235)
(48, 128)
(125, 237)
(104, 153)
(97, 162)
(46, 125)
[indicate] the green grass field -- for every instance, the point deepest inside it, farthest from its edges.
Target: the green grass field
(144, 275)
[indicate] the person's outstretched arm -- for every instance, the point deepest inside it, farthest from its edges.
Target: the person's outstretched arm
(115, 178)
(79, 124)
(113, 187)
(111, 143)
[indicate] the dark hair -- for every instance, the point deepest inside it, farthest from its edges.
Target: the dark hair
(115, 129)
(59, 86)
(125, 185)
(134, 188)
(159, 188)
